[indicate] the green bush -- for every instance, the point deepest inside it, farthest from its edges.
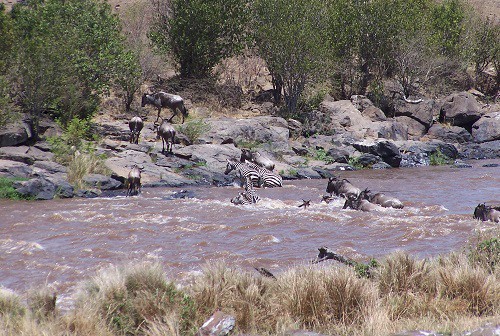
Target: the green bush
(198, 34)
(437, 158)
(193, 129)
(66, 54)
(7, 189)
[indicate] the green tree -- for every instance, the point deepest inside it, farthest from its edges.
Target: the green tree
(198, 34)
(447, 23)
(291, 37)
(68, 53)
(7, 109)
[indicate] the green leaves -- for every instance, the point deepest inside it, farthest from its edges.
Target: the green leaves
(200, 33)
(68, 52)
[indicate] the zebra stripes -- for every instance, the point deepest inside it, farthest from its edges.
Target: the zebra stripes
(243, 170)
(247, 197)
(266, 178)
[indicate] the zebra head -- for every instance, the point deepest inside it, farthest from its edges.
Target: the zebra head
(229, 167)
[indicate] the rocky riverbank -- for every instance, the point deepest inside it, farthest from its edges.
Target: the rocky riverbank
(339, 135)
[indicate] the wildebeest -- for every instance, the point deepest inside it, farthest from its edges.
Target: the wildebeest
(360, 202)
(341, 187)
(487, 213)
(257, 158)
(167, 134)
(163, 99)
(135, 125)
(383, 200)
(134, 181)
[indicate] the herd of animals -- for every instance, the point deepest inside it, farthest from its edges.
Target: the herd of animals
(257, 171)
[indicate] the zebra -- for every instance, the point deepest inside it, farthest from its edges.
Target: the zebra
(247, 197)
(267, 178)
(243, 170)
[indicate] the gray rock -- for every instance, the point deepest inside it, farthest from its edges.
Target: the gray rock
(381, 165)
(219, 324)
(367, 159)
(487, 128)
(265, 129)
(101, 182)
(417, 153)
(460, 109)
(391, 130)
(453, 134)
(422, 112)
(15, 134)
(386, 150)
(38, 188)
(13, 169)
(415, 128)
(50, 166)
(345, 117)
(485, 150)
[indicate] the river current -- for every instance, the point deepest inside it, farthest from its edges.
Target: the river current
(63, 242)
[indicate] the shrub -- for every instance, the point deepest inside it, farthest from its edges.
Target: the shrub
(10, 304)
(485, 252)
(74, 150)
(193, 129)
(198, 34)
(7, 189)
(131, 298)
(437, 158)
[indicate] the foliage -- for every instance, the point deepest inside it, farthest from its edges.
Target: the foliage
(437, 158)
(485, 252)
(130, 299)
(199, 33)
(291, 37)
(193, 129)
(74, 150)
(7, 189)
(67, 53)
(447, 23)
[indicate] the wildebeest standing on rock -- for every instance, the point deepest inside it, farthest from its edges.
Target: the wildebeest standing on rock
(135, 125)
(163, 99)
(167, 134)
(487, 213)
(134, 181)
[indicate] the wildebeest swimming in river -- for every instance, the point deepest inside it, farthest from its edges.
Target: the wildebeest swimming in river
(487, 213)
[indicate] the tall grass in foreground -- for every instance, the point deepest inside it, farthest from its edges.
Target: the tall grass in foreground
(448, 294)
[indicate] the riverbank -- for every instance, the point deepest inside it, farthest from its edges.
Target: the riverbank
(337, 136)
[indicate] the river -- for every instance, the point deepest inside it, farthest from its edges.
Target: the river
(62, 242)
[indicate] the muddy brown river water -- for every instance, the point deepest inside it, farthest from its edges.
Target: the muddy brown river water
(64, 242)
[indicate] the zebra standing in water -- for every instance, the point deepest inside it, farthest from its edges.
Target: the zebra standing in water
(267, 178)
(243, 170)
(247, 197)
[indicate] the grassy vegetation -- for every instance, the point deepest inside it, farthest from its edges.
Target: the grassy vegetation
(451, 293)
(7, 189)
(437, 158)
(75, 149)
(194, 128)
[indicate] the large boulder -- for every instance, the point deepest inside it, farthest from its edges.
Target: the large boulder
(453, 134)
(264, 129)
(386, 150)
(487, 128)
(415, 128)
(345, 117)
(15, 134)
(460, 109)
(418, 153)
(423, 112)
(41, 188)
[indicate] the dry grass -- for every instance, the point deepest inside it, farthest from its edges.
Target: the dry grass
(449, 294)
